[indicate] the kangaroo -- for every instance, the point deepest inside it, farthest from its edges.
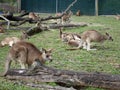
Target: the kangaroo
(33, 16)
(9, 41)
(1, 29)
(78, 13)
(72, 39)
(26, 54)
(24, 35)
(66, 17)
(117, 17)
(69, 36)
(12, 40)
(93, 36)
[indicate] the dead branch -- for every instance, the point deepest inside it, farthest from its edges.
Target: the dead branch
(67, 78)
(5, 20)
(56, 26)
(19, 18)
(70, 6)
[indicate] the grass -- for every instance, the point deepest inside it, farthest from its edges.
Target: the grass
(105, 59)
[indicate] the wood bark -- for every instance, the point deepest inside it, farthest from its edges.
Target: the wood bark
(56, 26)
(67, 78)
(35, 29)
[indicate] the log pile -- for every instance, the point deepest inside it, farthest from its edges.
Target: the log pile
(66, 78)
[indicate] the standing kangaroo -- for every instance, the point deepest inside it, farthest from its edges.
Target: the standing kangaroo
(1, 29)
(66, 17)
(93, 36)
(78, 13)
(26, 54)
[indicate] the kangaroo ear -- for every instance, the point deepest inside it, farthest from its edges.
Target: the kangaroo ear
(50, 50)
(43, 50)
(107, 34)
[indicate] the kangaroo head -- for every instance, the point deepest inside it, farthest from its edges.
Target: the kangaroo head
(109, 37)
(24, 35)
(46, 54)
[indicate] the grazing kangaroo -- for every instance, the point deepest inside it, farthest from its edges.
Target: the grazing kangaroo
(26, 54)
(78, 13)
(12, 40)
(93, 36)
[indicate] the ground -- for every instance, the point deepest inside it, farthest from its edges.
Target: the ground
(105, 59)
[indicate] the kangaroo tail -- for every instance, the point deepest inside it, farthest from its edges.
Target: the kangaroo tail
(72, 49)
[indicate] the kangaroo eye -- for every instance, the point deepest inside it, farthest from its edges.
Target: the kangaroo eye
(47, 56)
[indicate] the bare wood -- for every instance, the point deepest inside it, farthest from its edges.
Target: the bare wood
(68, 78)
(70, 6)
(1, 16)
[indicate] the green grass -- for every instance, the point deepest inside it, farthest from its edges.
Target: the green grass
(105, 59)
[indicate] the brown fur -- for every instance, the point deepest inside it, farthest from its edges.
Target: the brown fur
(71, 39)
(68, 36)
(66, 17)
(9, 41)
(12, 40)
(1, 29)
(33, 16)
(78, 13)
(117, 17)
(24, 35)
(93, 36)
(26, 53)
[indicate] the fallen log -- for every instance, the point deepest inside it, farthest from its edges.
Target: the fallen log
(36, 29)
(56, 26)
(48, 87)
(67, 78)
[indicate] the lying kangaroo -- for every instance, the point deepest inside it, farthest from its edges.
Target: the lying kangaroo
(26, 54)
(93, 36)
(9, 41)
(33, 16)
(71, 39)
(69, 36)
(12, 40)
